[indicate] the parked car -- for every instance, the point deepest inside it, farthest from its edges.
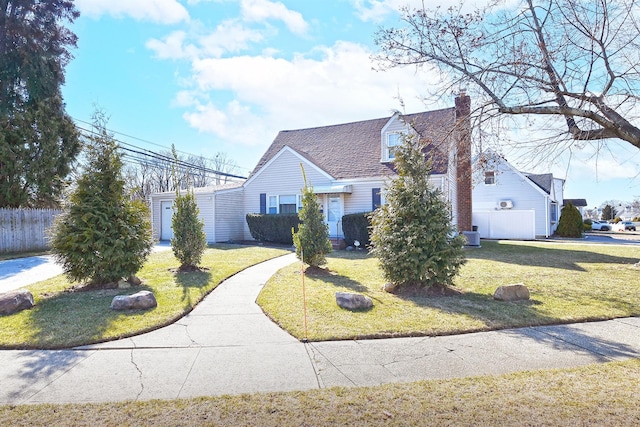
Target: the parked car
(624, 226)
(601, 226)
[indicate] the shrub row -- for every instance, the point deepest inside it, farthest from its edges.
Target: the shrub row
(277, 228)
(273, 228)
(357, 227)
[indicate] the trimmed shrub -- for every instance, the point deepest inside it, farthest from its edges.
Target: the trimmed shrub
(312, 238)
(357, 227)
(570, 223)
(273, 228)
(189, 240)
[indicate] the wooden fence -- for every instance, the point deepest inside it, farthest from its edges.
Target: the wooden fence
(23, 230)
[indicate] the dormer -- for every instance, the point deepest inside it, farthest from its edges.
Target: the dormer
(391, 137)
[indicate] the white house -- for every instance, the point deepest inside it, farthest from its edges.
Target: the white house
(509, 204)
(346, 164)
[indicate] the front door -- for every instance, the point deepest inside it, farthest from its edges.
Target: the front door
(166, 216)
(334, 210)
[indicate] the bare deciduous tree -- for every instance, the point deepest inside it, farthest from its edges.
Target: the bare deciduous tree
(573, 60)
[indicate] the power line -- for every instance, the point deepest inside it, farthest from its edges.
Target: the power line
(139, 151)
(145, 141)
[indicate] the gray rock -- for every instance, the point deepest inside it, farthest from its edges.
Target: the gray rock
(139, 301)
(515, 292)
(14, 301)
(353, 301)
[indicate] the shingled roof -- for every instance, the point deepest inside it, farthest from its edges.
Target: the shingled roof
(353, 150)
(544, 181)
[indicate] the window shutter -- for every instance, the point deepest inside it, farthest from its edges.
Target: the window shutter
(375, 198)
(263, 203)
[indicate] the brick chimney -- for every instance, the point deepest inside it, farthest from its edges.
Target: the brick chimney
(463, 163)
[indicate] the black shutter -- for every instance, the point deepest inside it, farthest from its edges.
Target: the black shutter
(263, 203)
(375, 199)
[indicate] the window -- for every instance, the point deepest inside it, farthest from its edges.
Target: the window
(285, 204)
(393, 140)
(288, 204)
(489, 177)
(554, 212)
(273, 204)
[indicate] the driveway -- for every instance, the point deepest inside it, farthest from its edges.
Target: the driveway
(21, 272)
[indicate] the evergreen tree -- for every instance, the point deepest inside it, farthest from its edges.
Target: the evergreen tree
(570, 223)
(312, 239)
(102, 236)
(38, 140)
(189, 240)
(609, 213)
(412, 234)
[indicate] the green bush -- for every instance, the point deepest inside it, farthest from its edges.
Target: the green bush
(357, 226)
(570, 223)
(312, 238)
(273, 228)
(101, 236)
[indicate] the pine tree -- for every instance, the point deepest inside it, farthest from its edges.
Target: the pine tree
(412, 233)
(609, 213)
(38, 140)
(102, 236)
(570, 223)
(189, 240)
(312, 239)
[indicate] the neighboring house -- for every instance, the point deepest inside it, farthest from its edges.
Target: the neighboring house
(347, 165)
(509, 204)
(580, 204)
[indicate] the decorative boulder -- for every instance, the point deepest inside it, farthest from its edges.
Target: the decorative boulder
(353, 301)
(139, 301)
(14, 301)
(515, 292)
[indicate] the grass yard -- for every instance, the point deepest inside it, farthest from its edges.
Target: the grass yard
(568, 283)
(65, 319)
(603, 395)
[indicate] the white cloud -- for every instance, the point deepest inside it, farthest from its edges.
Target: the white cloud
(271, 94)
(228, 37)
(263, 10)
(159, 11)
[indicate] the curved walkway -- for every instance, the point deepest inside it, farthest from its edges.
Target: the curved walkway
(226, 345)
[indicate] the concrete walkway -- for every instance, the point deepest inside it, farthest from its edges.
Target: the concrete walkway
(226, 345)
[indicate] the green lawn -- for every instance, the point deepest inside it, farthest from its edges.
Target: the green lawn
(64, 319)
(595, 395)
(568, 283)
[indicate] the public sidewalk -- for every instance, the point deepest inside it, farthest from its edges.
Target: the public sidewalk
(226, 345)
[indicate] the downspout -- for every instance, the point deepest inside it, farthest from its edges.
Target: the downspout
(548, 220)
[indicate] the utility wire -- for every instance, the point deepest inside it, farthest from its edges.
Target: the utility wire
(141, 140)
(158, 156)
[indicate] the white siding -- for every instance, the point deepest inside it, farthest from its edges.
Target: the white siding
(361, 197)
(510, 185)
(229, 217)
(280, 176)
(205, 204)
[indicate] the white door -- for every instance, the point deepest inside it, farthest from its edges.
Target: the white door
(334, 210)
(166, 215)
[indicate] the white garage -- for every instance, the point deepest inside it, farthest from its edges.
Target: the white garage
(506, 224)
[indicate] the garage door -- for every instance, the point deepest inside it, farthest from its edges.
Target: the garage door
(506, 224)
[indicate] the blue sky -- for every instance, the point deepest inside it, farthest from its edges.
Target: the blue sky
(227, 75)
